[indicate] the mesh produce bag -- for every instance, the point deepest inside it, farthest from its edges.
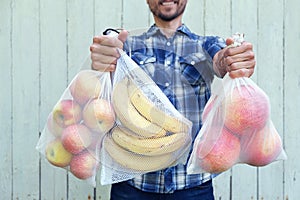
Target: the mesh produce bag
(150, 134)
(237, 128)
(71, 138)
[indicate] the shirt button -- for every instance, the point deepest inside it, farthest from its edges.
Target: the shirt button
(168, 62)
(168, 44)
(167, 84)
(193, 63)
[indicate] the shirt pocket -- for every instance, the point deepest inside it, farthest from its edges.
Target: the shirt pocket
(196, 70)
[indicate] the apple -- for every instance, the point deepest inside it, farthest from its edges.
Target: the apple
(246, 109)
(84, 165)
(66, 112)
(85, 86)
(261, 147)
(218, 150)
(53, 127)
(75, 138)
(57, 155)
(99, 115)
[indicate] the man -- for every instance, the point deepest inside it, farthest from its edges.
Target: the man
(183, 65)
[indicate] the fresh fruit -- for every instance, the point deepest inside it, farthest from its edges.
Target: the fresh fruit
(75, 138)
(57, 155)
(157, 109)
(84, 165)
(149, 146)
(99, 115)
(129, 116)
(218, 152)
(85, 86)
(246, 109)
(136, 162)
(66, 112)
(261, 147)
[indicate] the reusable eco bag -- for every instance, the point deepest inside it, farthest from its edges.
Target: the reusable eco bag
(237, 128)
(72, 136)
(150, 134)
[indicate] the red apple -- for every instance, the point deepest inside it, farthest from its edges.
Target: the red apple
(246, 109)
(85, 86)
(57, 155)
(66, 112)
(218, 151)
(75, 138)
(261, 147)
(99, 115)
(84, 165)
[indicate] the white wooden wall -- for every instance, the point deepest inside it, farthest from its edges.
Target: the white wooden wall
(43, 44)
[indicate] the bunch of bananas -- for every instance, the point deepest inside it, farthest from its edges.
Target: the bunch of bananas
(148, 136)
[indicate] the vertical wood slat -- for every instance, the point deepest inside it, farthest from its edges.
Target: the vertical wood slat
(217, 18)
(53, 82)
(6, 62)
(244, 20)
(25, 79)
(291, 105)
(135, 15)
(108, 14)
(194, 16)
(80, 30)
(270, 58)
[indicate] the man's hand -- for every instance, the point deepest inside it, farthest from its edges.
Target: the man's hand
(237, 61)
(104, 51)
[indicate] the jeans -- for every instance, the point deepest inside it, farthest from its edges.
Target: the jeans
(124, 191)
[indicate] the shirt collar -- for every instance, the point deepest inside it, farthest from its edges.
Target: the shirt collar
(182, 29)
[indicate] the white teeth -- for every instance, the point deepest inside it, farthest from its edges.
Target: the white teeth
(168, 3)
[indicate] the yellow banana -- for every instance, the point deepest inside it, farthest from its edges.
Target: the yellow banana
(149, 146)
(152, 112)
(133, 161)
(129, 116)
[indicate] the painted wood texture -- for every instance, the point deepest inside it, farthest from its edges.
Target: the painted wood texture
(44, 43)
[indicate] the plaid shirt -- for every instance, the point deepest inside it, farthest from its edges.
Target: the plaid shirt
(182, 67)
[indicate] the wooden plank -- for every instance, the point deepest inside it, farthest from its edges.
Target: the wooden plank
(135, 15)
(217, 18)
(108, 14)
(53, 83)
(270, 64)
(6, 100)
(194, 16)
(80, 30)
(291, 99)
(111, 16)
(25, 88)
(244, 20)
(214, 11)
